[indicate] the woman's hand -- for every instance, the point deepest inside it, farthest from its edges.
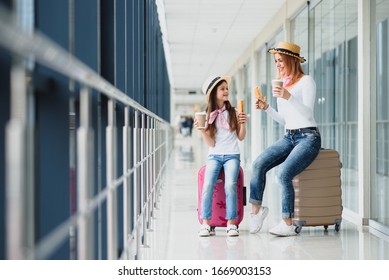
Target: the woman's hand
(281, 92)
(261, 104)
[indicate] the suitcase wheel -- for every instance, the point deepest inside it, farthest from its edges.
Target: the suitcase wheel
(299, 225)
(337, 226)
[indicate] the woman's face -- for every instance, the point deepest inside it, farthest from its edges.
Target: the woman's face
(222, 92)
(280, 65)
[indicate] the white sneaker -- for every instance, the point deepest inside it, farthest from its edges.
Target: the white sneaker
(205, 231)
(282, 229)
(232, 230)
(256, 220)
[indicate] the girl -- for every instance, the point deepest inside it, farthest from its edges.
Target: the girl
(297, 148)
(225, 127)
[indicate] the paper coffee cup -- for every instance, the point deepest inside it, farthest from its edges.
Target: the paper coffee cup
(201, 118)
(277, 82)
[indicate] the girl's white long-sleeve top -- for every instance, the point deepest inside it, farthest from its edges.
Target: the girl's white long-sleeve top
(297, 111)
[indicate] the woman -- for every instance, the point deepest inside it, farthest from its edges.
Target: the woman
(297, 148)
(225, 128)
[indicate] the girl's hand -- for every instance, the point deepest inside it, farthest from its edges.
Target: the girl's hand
(242, 118)
(280, 92)
(196, 125)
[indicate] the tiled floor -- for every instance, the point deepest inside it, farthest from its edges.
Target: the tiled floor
(174, 234)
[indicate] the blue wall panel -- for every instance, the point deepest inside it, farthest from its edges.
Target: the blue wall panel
(87, 50)
(53, 127)
(5, 66)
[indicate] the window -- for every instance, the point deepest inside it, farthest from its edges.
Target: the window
(333, 65)
(380, 191)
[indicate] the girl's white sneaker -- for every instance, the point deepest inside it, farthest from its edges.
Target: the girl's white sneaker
(232, 230)
(205, 231)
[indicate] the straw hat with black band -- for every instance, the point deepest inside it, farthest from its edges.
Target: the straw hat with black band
(211, 82)
(288, 49)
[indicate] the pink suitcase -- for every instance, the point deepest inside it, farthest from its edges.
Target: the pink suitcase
(318, 193)
(219, 199)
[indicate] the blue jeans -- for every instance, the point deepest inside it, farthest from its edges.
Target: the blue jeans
(231, 164)
(294, 152)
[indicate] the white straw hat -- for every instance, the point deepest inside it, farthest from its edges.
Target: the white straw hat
(288, 49)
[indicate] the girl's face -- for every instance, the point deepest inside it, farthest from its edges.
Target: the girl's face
(280, 65)
(222, 93)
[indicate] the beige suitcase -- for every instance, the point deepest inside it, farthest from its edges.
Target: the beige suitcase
(318, 193)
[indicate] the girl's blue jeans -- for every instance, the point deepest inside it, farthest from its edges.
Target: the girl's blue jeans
(215, 163)
(293, 152)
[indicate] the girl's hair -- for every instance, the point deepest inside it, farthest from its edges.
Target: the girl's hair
(212, 105)
(293, 65)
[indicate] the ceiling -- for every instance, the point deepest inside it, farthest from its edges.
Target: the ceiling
(206, 37)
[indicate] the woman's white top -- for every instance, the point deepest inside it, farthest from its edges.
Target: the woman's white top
(226, 142)
(297, 111)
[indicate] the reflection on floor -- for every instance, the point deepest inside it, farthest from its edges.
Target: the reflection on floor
(174, 234)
